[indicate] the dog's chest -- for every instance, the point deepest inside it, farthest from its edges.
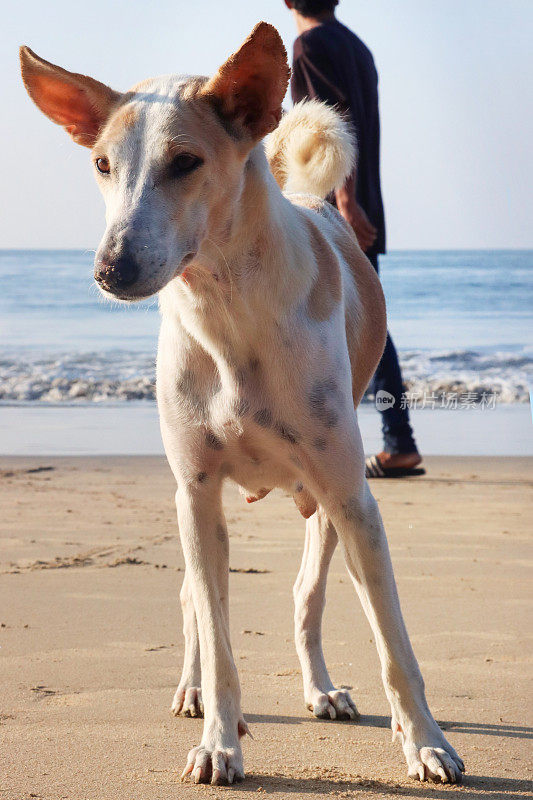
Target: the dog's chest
(227, 417)
(255, 442)
(257, 447)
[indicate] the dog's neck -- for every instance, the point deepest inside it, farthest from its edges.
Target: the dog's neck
(248, 271)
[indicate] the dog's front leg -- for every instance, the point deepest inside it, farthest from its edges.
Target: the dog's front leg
(204, 539)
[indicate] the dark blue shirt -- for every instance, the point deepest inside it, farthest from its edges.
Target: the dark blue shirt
(332, 64)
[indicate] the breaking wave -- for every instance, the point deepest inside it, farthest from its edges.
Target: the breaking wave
(122, 376)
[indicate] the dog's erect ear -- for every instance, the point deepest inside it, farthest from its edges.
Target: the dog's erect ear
(249, 88)
(78, 103)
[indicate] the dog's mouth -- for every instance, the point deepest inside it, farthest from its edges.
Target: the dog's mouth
(133, 293)
(125, 297)
(136, 291)
(184, 263)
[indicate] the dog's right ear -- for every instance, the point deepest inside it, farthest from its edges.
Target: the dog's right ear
(78, 103)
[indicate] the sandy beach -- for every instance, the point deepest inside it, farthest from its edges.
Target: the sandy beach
(91, 641)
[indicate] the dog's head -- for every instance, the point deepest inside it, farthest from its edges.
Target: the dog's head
(169, 155)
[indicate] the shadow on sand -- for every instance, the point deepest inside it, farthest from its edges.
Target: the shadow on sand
(375, 721)
(477, 787)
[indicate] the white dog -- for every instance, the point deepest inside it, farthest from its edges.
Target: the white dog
(273, 322)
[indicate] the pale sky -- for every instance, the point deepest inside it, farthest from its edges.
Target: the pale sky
(455, 97)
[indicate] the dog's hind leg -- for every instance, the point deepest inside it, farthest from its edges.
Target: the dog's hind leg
(188, 697)
(320, 695)
(344, 494)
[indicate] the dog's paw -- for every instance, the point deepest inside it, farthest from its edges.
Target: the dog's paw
(431, 757)
(336, 704)
(188, 702)
(216, 765)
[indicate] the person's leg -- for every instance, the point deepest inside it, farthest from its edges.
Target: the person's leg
(397, 432)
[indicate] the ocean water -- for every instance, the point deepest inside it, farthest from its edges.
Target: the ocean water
(462, 322)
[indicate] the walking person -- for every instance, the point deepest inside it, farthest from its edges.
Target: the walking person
(330, 63)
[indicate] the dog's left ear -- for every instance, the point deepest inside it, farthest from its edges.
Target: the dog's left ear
(249, 88)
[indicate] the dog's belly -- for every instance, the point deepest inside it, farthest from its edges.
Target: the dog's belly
(257, 478)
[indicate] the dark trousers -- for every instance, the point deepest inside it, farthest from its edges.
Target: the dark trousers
(397, 432)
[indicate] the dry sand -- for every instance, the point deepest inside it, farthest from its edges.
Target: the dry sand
(92, 645)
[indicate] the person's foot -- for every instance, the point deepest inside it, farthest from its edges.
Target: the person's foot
(399, 460)
(394, 465)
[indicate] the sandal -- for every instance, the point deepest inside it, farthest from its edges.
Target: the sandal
(374, 469)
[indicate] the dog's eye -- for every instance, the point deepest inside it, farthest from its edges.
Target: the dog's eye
(184, 163)
(102, 165)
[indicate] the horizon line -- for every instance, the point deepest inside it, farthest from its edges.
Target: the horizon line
(508, 249)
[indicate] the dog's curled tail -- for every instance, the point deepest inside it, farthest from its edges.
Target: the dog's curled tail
(312, 151)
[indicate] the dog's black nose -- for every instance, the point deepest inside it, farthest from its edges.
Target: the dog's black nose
(117, 274)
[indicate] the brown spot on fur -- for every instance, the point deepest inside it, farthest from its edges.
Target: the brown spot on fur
(278, 170)
(249, 450)
(366, 327)
(263, 417)
(222, 537)
(142, 86)
(222, 534)
(193, 87)
(327, 290)
(366, 320)
(121, 121)
(287, 433)
(241, 407)
(213, 442)
(324, 399)
(128, 117)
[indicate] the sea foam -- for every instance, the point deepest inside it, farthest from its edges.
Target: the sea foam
(122, 376)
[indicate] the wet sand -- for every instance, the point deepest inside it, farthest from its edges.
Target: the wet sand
(91, 641)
